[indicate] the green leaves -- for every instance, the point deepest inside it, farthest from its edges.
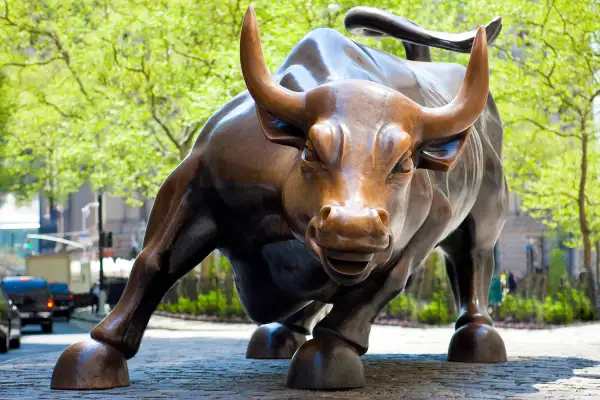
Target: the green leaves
(545, 87)
(115, 92)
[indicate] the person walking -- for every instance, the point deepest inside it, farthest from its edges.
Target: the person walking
(512, 283)
(95, 292)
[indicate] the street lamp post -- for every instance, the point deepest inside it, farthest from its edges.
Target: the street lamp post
(86, 211)
(102, 299)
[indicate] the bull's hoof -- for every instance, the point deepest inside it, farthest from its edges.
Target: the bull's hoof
(274, 341)
(477, 343)
(326, 363)
(90, 365)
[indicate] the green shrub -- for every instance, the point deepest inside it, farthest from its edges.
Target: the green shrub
(436, 312)
(515, 308)
(557, 271)
(580, 303)
(186, 306)
(172, 308)
(530, 310)
(403, 306)
(235, 309)
(508, 308)
(559, 312)
(212, 303)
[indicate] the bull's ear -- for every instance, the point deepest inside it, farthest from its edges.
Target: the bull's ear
(280, 132)
(441, 155)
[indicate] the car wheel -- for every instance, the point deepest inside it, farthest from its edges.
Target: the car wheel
(47, 327)
(15, 343)
(4, 345)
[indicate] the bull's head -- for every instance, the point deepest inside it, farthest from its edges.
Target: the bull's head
(360, 143)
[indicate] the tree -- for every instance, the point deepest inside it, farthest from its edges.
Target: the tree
(128, 84)
(546, 83)
(5, 111)
(556, 67)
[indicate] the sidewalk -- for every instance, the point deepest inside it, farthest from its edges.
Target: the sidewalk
(207, 361)
(172, 324)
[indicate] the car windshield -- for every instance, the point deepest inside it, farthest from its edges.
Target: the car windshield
(59, 287)
(23, 285)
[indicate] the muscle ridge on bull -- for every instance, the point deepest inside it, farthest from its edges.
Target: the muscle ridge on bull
(326, 185)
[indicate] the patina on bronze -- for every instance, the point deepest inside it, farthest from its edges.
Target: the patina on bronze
(327, 183)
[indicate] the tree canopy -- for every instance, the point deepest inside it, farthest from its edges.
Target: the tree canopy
(548, 83)
(114, 92)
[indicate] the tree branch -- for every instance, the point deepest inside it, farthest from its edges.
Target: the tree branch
(156, 118)
(45, 101)
(31, 64)
(548, 129)
(193, 57)
(64, 55)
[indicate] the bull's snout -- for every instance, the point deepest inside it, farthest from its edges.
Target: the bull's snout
(349, 241)
(342, 229)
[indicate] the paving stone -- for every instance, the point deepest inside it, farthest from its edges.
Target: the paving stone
(207, 361)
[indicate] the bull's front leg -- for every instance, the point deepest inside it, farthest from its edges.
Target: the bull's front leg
(180, 233)
(470, 266)
(279, 340)
(331, 360)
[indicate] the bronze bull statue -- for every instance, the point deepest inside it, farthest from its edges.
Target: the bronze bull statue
(327, 184)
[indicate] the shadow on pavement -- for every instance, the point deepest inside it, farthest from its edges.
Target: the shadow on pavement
(217, 368)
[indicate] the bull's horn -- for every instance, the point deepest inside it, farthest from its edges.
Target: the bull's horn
(268, 94)
(466, 107)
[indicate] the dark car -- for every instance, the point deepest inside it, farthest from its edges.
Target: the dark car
(10, 324)
(63, 299)
(33, 299)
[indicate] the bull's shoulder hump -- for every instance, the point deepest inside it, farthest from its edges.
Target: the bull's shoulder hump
(451, 75)
(325, 54)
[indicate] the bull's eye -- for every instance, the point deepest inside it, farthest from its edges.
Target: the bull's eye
(403, 166)
(309, 154)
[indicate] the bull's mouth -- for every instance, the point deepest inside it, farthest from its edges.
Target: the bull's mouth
(346, 268)
(348, 263)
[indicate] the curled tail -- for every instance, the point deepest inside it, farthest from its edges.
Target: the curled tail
(373, 22)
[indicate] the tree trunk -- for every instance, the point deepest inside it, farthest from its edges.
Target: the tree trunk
(598, 263)
(583, 224)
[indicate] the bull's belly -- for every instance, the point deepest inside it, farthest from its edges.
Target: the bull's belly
(278, 279)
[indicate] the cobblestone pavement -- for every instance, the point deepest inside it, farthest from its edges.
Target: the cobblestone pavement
(207, 361)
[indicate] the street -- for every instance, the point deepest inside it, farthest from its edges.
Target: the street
(206, 360)
(34, 342)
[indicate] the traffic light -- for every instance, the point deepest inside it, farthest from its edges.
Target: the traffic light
(109, 242)
(28, 244)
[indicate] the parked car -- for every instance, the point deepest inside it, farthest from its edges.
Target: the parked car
(10, 324)
(63, 299)
(32, 297)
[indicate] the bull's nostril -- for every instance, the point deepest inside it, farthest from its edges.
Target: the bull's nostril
(324, 214)
(384, 216)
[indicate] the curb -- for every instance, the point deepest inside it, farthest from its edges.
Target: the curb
(95, 319)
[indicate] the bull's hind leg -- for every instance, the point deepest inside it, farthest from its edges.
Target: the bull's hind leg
(281, 339)
(180, 233)
(470, 267)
